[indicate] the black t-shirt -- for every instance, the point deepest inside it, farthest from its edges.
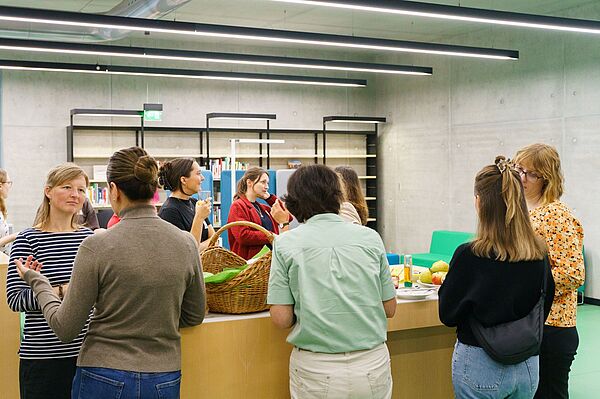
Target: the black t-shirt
(493, 291)
(181, 214)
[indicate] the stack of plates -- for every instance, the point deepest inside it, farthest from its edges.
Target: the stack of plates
(414, 293)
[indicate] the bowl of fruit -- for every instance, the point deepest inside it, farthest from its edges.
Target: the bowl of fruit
(435, 276)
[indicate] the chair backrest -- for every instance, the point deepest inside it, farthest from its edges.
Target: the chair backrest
(446, 242)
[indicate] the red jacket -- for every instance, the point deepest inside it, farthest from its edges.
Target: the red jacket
(246, 241)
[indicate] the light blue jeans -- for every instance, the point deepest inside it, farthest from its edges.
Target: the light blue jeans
(477, 376)
(103, 383)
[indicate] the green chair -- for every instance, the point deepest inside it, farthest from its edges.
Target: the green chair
(442, 247)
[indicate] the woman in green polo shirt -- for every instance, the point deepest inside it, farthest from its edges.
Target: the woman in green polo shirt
(330, 280)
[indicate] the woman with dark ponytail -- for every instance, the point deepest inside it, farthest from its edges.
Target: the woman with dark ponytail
(183, 177)
(495, 279)
(143, 280)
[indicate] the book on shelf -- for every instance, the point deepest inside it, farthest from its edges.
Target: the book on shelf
(97, 195)
(216, 166)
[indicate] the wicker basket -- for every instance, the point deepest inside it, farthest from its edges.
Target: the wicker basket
(246, 292)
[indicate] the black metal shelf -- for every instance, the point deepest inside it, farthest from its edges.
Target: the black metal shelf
(371, 144)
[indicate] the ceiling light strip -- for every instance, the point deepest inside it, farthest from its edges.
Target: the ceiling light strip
(239, 32)
(462, 14)
(179, 73)
(203, 56)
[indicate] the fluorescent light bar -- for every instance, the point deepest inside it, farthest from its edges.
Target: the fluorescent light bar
(234, 115)
(126, 113)
(178, 73)
(188, 28)
(462, 14)
(204, 56)
(261, 141)
(354, 119)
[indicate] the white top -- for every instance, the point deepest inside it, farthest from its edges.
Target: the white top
(348, 213)
(3, 233)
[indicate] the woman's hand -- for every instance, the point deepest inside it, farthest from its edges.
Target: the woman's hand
(29, 263)
(280, 212)
(203, 208)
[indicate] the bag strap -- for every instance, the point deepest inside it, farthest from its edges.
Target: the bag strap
(545, 275)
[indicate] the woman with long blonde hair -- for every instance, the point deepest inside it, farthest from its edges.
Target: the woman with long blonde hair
(540, 170)
(5, 236)
(47, 365)
(495, 279)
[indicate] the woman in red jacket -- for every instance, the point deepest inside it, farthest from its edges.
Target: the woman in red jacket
(246, 241)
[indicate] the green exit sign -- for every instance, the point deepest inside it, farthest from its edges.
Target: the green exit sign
(152, 115)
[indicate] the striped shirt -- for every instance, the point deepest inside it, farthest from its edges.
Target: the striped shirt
(56, 252)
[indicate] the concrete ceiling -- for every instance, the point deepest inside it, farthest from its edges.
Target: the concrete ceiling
(278, 15)
(272, 14)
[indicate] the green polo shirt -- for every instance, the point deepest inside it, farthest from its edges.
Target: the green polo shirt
(336, 275)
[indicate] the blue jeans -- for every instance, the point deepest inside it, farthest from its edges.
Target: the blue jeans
(477, 376)
(102, 383)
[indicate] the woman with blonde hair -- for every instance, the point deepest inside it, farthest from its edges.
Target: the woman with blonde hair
(47, 365)
(495, 279)
(540, 170)
(353, 194)
(143, 279)
(5, 236)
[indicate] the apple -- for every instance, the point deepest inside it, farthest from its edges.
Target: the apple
(438, 278)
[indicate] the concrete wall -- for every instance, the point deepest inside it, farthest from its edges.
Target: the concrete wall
(443, 129)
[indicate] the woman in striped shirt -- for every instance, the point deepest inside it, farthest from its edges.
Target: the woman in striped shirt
(47, 366)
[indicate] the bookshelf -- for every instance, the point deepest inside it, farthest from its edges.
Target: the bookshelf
(93, 144)
(368, 154)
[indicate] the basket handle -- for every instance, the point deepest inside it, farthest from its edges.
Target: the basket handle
(215, 237)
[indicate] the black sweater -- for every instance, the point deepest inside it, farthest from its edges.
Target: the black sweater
(493, 291)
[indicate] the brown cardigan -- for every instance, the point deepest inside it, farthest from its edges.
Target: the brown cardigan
(143, 279)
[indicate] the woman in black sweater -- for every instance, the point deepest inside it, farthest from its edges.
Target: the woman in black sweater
(495, 279)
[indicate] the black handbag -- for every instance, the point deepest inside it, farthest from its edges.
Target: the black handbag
(515, 341)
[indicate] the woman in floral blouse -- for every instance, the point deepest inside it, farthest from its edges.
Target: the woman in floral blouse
(539, 167)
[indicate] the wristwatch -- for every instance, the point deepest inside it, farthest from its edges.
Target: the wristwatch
(282, 225)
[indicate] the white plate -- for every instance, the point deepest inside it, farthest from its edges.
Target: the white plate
(413, 293)
(427, 285)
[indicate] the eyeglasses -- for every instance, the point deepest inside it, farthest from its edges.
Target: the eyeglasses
(528, 175)
(8, 183)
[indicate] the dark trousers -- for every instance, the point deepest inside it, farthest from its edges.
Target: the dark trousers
(557, 353)
(47, 378)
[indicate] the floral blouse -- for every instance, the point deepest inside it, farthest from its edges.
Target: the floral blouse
(563, 235)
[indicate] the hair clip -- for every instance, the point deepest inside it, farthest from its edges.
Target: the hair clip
(503, 164)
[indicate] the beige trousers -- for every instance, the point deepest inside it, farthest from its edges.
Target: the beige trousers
(351, 375)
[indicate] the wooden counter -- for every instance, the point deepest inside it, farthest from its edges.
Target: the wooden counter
(9, 341)
(236, 356)
(229, 357)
